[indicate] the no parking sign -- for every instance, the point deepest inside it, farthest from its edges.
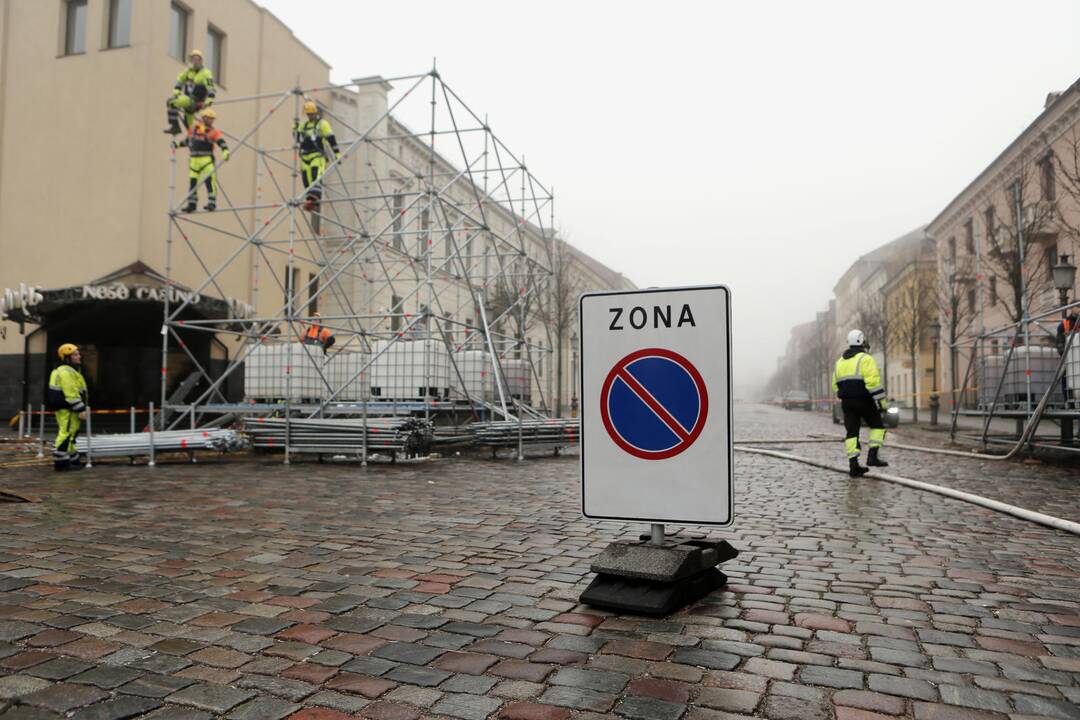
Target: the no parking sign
(656, 441)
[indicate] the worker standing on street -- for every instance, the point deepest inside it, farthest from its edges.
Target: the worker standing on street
(313, 136)
(857, 382)
(316, 334)
(201, 139)
(67, 396)
(194, 91)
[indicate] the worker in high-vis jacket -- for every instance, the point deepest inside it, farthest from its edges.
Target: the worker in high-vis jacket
(67, 396)
(316, 334)
(194, 90)
(200, 142)
(315, 138)
(857, 382)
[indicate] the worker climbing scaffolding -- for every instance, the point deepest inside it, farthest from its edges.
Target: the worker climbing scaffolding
(201, 139)
(194, 90)
(313, 137)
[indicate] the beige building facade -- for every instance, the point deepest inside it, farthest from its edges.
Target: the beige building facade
(85, 198)
(998, 239)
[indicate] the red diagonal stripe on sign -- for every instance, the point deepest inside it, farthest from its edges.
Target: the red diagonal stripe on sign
(646, 397)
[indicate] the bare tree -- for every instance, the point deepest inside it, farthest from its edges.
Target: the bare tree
(558, 309)
(954, 301)
(873, 320)
(816, 361)
(912, 311)
(1066, 162)
(1018, 236)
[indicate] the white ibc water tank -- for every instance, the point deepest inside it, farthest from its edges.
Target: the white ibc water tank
(268, 366)
(345, 373)
(476, 381)
(1041, 361)
(1072, 369)
(409, 369)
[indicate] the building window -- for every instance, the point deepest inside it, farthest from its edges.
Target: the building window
(989, 222)
(292, 279)
(313, 293)
(74, 27)
(119, 23)
(215, 51)
(969, 236)
(399, 211)
(1050, 253)
(993, 291)
(395, 310)
(971, 300)
(178, 27)
(1015, 199)
(952, 251)
(425, 224)
(1049, 182)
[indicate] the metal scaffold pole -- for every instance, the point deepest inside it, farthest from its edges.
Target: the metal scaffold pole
(168, 284)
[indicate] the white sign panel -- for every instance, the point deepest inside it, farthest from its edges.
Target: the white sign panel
(656, 414)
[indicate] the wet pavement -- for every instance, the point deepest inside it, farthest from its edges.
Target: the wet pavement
(448, 589)
(1049, 485)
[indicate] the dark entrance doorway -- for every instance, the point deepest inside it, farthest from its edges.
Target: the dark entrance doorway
(121, 348)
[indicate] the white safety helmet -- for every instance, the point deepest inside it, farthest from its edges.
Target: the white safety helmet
(856, 338)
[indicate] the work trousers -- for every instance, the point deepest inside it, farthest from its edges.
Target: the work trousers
(201, 169)
(312, 168)
(64, 450)
(183, 108)
(856, 411)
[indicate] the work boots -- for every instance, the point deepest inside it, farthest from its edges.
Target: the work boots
(855, 469)
(190, 207)
(174, 123)
(211, 205)
(873, 460)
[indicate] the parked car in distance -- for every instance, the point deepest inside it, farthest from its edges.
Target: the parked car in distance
(797, 399)
(891, 416)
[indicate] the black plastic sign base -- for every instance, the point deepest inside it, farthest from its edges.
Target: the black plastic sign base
(647, 597)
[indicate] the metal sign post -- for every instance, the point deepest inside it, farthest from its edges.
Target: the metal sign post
(656, 439)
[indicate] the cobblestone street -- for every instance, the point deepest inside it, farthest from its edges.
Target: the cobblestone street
(448, 588)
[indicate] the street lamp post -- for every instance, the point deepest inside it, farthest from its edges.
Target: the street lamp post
(935, 400)
(573, 375)
(1064, 276)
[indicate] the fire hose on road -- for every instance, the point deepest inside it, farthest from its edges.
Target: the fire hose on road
(1019, 512)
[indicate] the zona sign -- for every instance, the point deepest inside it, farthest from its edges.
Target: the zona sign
(654, 403)
(656, 411)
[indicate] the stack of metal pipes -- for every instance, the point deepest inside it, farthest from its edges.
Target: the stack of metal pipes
(138, 444)
(406, 435)
(505, 433)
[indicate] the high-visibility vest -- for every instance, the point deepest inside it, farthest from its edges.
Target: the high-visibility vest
(201, 140)
(315, 335)
(857, 376)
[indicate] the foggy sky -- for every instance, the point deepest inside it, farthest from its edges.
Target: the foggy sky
(761, 145)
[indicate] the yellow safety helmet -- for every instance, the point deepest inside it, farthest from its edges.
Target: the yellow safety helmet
(67, 349)
(310, 108)
(193, 53)
(208, 113)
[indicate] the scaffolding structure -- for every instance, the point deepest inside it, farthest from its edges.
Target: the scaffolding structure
(428, 259)
(1026, 372)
